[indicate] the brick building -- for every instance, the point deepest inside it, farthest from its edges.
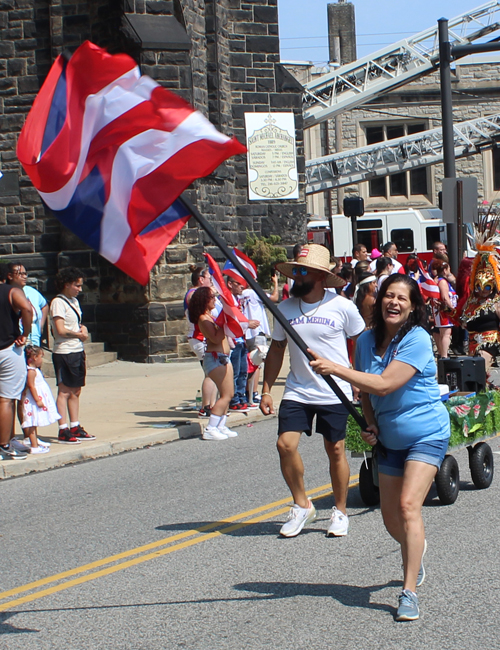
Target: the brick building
(223, 57)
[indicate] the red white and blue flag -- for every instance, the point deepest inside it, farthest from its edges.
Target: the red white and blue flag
(231, 318)
(231, 271)
(110, 151)
(428, 286)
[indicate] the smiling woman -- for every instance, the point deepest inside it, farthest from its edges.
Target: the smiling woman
(396, 372)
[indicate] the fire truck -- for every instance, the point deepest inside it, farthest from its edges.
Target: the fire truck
(413, 231)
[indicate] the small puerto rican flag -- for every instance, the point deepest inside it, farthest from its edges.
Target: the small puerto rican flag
(231, 271)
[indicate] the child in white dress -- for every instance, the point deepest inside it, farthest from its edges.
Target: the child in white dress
(39, 407)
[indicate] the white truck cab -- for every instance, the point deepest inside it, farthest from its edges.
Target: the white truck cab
(413, 231)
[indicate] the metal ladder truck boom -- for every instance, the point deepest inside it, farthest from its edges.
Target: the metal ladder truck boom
(398, 155)
(360, 81)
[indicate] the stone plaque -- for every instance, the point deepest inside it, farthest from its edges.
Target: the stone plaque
(271, 156)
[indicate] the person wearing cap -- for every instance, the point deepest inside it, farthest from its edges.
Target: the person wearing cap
(324, 320)
(389, 250)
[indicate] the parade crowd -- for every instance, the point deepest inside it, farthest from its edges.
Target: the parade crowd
(373, 324)
(377, 327)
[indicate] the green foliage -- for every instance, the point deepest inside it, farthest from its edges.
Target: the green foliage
(466, 425)
(265, 253)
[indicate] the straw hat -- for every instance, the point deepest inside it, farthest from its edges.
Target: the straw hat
(317, 258)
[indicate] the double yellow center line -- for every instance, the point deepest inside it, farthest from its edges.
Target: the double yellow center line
(118, 562)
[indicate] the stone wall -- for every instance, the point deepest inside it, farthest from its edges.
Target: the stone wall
(232, 67)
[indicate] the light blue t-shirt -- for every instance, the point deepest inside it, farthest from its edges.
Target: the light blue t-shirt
(415, 411)
(37, 302)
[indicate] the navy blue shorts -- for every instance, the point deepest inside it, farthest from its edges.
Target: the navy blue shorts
(70, 368)
(431, 452)
(331, 419)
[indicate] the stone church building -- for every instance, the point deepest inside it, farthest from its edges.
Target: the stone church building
(220, 55)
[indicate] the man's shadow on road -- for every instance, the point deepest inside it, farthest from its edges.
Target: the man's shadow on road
(257, 529)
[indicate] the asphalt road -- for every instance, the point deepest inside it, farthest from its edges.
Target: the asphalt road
(177, 546)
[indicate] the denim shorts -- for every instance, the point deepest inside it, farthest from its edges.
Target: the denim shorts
(213, 360)
(431, 452)
(331, 419)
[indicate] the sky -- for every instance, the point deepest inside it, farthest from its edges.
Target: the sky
(304, 31)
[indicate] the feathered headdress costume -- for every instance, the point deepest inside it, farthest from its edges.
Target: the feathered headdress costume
(485, 272)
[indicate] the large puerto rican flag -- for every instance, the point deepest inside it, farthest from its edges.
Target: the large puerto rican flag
(110, 151)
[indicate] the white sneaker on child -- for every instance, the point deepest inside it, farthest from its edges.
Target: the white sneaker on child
(40, 450)
(223, 429)
(41, 443)
(213, 433)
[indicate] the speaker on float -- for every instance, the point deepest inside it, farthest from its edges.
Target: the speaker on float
(464, 373)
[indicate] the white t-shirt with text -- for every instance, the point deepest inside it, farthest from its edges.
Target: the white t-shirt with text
(325, 331)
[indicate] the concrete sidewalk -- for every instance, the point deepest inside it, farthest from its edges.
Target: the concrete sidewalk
(129, 406)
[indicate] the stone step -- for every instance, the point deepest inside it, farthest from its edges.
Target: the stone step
(96, 355)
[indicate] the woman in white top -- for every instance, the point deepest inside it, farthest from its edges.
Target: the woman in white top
(68, 356)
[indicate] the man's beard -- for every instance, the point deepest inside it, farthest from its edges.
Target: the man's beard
(301, 290)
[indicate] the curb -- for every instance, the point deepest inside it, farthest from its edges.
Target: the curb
(81, 453)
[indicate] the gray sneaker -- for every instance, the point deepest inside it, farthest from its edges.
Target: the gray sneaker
(18, 446)
(408, 606)
(297, 518)
(421, 571)
(9, 453)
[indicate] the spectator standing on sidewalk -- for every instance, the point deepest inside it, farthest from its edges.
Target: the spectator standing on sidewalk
(38, 406)
(216, 362)
(239, 354)
(18, 277)
(69, 356)
(324, 320)
(13, 305)
(200, 277)
(254, 309)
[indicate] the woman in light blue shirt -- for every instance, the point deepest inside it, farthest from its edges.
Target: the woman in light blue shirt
(396, 372)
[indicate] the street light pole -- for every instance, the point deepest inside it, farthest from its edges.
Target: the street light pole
(447, 123)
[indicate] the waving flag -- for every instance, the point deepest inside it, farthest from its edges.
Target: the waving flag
(230, 270)
(110, 151)
(428, 286)
(231, 317)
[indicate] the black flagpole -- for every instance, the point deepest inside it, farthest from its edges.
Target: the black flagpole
(221, 244)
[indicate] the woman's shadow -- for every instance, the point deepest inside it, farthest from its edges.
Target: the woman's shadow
(348, 595)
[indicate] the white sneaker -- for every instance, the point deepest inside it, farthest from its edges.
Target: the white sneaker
(41, 443)
(297, 519)
(339, 524)
(213, 433)
(39, 450)
(18, 445)
(230, 434)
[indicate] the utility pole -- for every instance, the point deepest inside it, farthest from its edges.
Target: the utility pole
(448, 53)
(448, 137)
